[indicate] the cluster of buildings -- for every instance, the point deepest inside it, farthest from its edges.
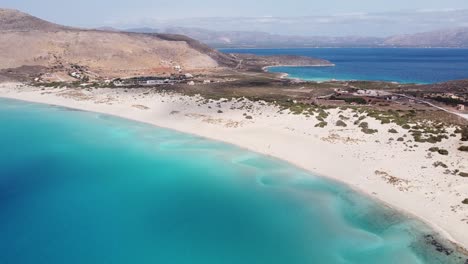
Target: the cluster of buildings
(372, 95)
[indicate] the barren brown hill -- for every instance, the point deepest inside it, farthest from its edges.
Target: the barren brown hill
(26, 41)
(60, 51)
(15, 20)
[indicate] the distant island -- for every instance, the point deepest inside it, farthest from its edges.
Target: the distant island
(450, 38)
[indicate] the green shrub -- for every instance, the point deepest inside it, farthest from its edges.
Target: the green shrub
(443, 152)
(434, 149)
(440, 164)
(369, 131)
(357, 100)
(463, 174)
(321, 124)
(464, 133)
(463, 148)
(342, 117)
(465, 201)
(341, 123)
(364, 125)
(392, 130)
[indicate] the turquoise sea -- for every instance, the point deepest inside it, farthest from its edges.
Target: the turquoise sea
(81, 187)
(375, 64)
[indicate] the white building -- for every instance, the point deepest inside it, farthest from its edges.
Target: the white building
(118, 83)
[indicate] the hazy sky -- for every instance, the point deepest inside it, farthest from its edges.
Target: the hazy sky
(122, 13)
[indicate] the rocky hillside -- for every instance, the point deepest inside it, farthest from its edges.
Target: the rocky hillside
(27, 40)
(14, 20)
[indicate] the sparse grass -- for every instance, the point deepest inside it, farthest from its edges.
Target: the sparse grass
(52, 84)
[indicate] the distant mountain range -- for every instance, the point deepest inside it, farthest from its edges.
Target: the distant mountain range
(451, 38)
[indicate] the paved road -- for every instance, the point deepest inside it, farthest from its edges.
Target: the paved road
(465, 116)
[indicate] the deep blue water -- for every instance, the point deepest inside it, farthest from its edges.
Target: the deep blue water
(376, 64)
(81, 187)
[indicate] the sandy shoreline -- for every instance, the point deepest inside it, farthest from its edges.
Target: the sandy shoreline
(397, 173)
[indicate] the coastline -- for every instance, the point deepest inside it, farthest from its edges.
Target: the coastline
(265, 69)
(271, 134)
(284, 75)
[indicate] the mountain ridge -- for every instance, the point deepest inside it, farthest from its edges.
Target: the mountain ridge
(28, 43)
(450, 38)
(28, 40)
(15, 20)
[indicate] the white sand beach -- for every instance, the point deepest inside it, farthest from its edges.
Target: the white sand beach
(399, 173)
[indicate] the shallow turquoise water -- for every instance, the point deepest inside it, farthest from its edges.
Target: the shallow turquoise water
(81, 187)
(375, 64)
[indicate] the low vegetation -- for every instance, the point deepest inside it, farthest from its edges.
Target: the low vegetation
(463, 131)
(463, 148)
(439, 150)
(365, 128)
(440, 164)
(322, 124)
(341, 123)
(443, 152)
(369, 131)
